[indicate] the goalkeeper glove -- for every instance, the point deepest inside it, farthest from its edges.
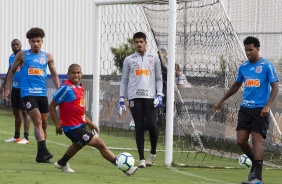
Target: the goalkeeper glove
(158, 101)
(121, 105)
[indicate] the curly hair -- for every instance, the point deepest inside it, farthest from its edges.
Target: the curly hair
(35, 32)
(252, 40)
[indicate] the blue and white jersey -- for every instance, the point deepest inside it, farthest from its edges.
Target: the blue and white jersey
(17, 77)
(256, 79)
(34, 74)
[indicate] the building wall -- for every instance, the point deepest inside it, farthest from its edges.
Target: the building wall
(68, 25)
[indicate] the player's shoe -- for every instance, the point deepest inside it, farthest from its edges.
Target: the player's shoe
(252, 175)
(142, 164)
(150, 159)
(64, 168)
(131, 171)
(41, 159)
(13, 140)
(47, 154)
(253, 181)
(23, 141)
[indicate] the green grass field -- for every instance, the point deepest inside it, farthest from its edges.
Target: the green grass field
(17, 163)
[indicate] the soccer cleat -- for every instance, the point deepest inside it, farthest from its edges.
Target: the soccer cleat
(150, 159)
(13, 140)
(64, 168)
(252, 175)
(253, 181)
(131, 171)
(142, 164)
(40, 159)
(23, 141)
(48, 155)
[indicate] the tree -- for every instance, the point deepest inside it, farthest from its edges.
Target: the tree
(121, 52)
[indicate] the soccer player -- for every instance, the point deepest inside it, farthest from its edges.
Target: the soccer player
(260, 82)
(33, 87)
(70, 98)
(142, 77)
(19, 110)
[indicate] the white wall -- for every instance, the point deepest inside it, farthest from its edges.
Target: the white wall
(68, 25)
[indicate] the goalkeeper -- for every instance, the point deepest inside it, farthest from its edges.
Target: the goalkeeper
(142, 77)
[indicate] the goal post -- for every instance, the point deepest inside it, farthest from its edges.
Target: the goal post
(200, 38)
(171, 63)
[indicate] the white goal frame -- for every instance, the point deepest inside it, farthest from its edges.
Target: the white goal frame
(170, 72)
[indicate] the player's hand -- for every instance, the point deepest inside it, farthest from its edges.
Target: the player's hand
(218, 106)
(59, 130)
(265, 111)
(121, 105)
(94, 129)
(6, 95)
(158, 101)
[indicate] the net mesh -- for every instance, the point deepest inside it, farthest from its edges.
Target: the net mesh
(208, 52)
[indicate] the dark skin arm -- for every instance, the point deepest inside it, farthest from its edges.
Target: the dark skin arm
(4, 83)
(273, 93)
(233, 89)
(19, 60)
(53, 71)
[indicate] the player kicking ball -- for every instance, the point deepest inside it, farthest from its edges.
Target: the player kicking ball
(70, 98)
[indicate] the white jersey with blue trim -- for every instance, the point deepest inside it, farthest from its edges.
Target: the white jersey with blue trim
(256, 79)
(141, 76)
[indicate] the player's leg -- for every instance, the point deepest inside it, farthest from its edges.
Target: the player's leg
(259, 129)
(243, 132)
(137, 110)
(17, 114)
(151, 125)
(26, 120)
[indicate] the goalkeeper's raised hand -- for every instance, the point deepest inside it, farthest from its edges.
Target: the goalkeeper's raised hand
(121, 105)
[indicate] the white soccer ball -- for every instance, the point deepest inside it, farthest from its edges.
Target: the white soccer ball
(131, 125)
(124, 161)
(244, 161)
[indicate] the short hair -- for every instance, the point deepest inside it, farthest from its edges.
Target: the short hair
(35, 32)
(139, 35)
(15, 40)
(252, 40)
(72, 66)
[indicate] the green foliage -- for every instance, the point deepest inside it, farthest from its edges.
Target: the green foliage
(121, 52)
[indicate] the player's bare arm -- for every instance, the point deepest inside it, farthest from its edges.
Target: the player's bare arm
(233, 89)
(273, 93)
(4, 83)
(91, 125)
(53, 71)
(53, 114)
(18, 61)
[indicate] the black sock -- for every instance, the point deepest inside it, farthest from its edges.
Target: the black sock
(258, 169)
(114, 161)
(252, 158)
(63, 161)
(17, 135)
(26, 136)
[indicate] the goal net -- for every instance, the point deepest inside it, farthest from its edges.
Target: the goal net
(208, 52)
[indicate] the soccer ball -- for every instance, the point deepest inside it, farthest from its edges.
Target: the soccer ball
(131, 125)
(124, 161)
(244, 161)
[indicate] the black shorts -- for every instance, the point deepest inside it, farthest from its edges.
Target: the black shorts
(79, 135)
(40, 102)
(16, 99)
(144, 113)
(250, 119)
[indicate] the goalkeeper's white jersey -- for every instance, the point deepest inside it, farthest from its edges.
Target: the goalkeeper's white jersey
(141, 76)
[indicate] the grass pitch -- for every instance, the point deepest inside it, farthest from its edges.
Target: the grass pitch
(17, 163)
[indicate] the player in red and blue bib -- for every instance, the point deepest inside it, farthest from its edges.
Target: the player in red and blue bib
(260, 82)
(70, 99)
